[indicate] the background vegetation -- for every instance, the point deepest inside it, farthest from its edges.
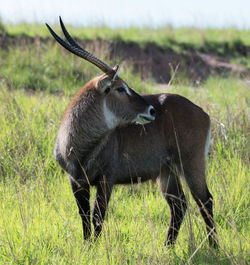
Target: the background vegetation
(39, 222)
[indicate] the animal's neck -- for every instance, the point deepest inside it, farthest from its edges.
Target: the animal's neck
(91, 132)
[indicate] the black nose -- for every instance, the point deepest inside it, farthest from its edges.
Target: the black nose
(152, 111)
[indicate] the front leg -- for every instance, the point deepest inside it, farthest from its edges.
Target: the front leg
(104, 189)
(82, 195)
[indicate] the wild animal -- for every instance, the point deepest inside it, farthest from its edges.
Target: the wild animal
(111, 135)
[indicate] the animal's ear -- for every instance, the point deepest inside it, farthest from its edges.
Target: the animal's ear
(115, 73)
(104, 85)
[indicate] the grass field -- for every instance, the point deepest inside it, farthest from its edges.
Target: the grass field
(39, 222)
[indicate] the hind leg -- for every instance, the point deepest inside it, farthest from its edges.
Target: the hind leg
(172, 191)
(194, 172)
(104, 190)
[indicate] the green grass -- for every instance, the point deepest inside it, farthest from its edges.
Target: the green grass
(49, 68)
(39, 222)
(193, 36)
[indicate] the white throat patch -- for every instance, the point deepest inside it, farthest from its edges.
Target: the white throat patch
(110, 118)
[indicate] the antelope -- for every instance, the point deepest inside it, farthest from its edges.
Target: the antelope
(111, 135)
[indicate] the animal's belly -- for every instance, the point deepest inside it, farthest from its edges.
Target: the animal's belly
(135, 178)
(139, 170)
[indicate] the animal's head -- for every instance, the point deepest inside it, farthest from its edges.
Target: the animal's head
(121, 104)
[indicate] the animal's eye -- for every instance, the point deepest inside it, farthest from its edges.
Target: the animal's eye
(120, 89)
(106, 91)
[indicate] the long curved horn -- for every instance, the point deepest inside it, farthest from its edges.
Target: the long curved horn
(75, 48)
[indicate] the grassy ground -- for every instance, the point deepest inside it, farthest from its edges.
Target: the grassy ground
(39, 222)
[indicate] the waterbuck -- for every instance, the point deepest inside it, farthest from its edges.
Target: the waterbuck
(111, 135)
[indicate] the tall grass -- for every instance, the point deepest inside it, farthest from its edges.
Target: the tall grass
(39, 223)
(41, 67)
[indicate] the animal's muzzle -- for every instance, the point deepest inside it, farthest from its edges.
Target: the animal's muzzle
(147, 116)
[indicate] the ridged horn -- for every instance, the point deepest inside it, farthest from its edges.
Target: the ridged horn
(76, 49)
